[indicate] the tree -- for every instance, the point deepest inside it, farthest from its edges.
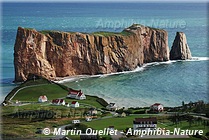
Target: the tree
(183, 104)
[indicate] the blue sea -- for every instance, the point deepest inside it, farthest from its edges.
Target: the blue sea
(168, 83)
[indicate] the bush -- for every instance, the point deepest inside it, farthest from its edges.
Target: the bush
(207, 134)
(140, 112)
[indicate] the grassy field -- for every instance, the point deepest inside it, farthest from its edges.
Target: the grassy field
(52, 91)
(25, 128)
(127, 122)
(106, 34)
(89, 100)
(118, 123)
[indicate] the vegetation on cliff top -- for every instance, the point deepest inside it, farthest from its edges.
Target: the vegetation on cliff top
(106, 34)
(100, 33)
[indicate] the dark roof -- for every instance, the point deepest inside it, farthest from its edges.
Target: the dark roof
(73, 102)
(57, 100)
(156, 104)
(72, 91)
(112, 104)
(61, 100)
(79, 94)
(145, 120)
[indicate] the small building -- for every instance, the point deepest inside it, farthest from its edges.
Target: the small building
(74, 104)
(67, 104)
(76, 94)
(145, 123)
(122, 114)
(112, 107)
(80, 96)
(58, 102)
(75, 121)
(157, 107)
(42, 99)
(88, 119)
(92, 111)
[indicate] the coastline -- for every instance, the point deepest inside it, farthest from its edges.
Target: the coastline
(120, 101)
(61, 80)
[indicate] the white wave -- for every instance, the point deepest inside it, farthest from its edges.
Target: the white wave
(199, 59)
(138, 69)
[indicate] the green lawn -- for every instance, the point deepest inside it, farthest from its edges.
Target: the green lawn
(183, 125)
(118, 123)
(122, 123)
(52, 91)
(89, 100)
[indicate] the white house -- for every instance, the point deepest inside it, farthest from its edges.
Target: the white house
(92, 111)
(157, 107)
(76, 94)
(74, 104)
(88, 119)
(58, 102)
(67, 104)
(112, 107)
(80, 96)
(75, 121)
(145, 123)
(42, 99)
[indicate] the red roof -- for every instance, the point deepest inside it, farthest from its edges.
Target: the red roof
(57, 101)
(80, 94)
(43, 97)
(61, 100)
(74, 102)
(156, 104)
(75, 92)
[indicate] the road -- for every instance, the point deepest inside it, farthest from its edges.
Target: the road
(24, 88)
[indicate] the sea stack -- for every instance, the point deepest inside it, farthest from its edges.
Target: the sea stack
(52, 54)
(180, 49)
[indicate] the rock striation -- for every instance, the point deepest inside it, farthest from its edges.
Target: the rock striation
(54, 54)
(180, 49)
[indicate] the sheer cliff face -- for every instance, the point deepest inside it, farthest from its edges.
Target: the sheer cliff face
(60, 54)
(180, 49)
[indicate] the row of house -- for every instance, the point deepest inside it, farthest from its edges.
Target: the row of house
(74, 104)
(74, 94)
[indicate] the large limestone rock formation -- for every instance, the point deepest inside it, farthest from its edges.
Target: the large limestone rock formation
(180, 49)
(54, 54)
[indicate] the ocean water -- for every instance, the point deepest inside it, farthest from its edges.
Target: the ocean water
(169, 83)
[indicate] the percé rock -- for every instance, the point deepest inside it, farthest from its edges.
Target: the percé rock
(180, 49)
(52, 54)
